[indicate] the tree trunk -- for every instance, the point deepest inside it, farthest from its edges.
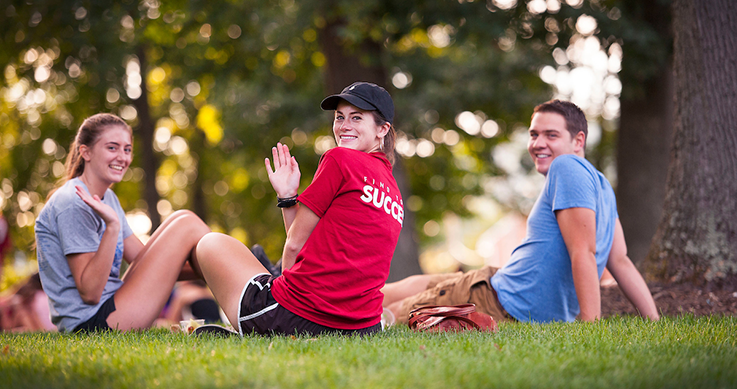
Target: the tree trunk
(406, 258)
(346, 66)
(363, 64)
(643, 153)
(697, 236)
(150, 163)
(645, 133)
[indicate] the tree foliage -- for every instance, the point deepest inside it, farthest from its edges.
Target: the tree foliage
(223, 82)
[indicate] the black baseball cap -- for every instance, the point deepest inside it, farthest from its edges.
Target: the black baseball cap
(364, 95)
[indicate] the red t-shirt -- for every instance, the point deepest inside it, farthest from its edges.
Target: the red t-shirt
(340, 270)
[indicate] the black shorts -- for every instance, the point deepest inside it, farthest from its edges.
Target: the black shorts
(260, 313)
(98, 322)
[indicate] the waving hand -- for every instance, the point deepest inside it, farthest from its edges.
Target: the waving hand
(285, 175)
(105, 211)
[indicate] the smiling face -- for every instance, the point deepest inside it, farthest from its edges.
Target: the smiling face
(356, 129)
(549, 138)
(108, 159)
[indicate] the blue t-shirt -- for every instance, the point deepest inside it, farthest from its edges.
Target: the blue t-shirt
(537, 282)
(66, 225)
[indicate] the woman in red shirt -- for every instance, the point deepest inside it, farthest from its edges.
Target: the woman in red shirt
(341, 232)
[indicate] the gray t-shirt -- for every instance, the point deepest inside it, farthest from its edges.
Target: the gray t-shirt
(67, 225)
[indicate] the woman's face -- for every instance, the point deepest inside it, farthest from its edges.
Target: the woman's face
(109, 158)
(356, 129)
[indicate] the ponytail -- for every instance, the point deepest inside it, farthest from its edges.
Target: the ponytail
(388, 143)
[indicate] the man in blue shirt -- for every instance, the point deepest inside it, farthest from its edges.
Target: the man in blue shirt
(573, 233)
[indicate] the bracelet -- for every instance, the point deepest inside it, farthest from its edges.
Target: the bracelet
(287, 201)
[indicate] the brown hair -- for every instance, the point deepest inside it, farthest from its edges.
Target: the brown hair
(389, 139)
(88, 134)
(574, 117)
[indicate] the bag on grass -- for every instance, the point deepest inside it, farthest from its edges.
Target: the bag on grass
(441, 318)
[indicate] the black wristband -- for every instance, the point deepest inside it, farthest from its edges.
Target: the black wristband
(287, 201)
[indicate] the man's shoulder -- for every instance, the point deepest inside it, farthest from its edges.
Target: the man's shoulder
(569, 167)
(571, 177)
(572, 166)
(571, 163)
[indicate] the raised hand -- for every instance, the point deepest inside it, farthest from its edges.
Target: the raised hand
(285, 175)
(105, 211)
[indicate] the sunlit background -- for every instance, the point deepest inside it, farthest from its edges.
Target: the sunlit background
(473, 181)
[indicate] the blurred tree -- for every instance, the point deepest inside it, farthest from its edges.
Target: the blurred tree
(646, 121)
(697, 236)
(209, 88)
(443, 58)
(61, 66)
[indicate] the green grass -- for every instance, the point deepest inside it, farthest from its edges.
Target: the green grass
(682, 352)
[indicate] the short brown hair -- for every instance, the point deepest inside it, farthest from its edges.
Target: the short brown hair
(574, 117)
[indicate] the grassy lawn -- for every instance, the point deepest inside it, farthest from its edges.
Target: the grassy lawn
(682, 352)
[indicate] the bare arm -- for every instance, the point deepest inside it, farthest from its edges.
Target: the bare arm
(132, 246)
(91, 270)
(300, 229)
(299, 221)
(630, 280)
(578, 227)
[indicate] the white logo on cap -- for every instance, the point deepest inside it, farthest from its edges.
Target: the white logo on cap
(352, 88)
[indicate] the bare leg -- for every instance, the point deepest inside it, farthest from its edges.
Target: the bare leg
(400, 290)
(227, 265)
(150, 279)
(174, 219)
(396, 308)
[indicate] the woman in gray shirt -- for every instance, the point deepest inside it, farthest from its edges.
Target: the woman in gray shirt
(82, 236)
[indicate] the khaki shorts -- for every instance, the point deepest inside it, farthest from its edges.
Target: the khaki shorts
(459, 288)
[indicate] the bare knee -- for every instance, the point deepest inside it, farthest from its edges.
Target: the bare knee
(187, 215)
(189, 223)
(180, 214)
(209, 244)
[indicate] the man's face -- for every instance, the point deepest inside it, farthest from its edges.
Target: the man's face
(549, 138)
